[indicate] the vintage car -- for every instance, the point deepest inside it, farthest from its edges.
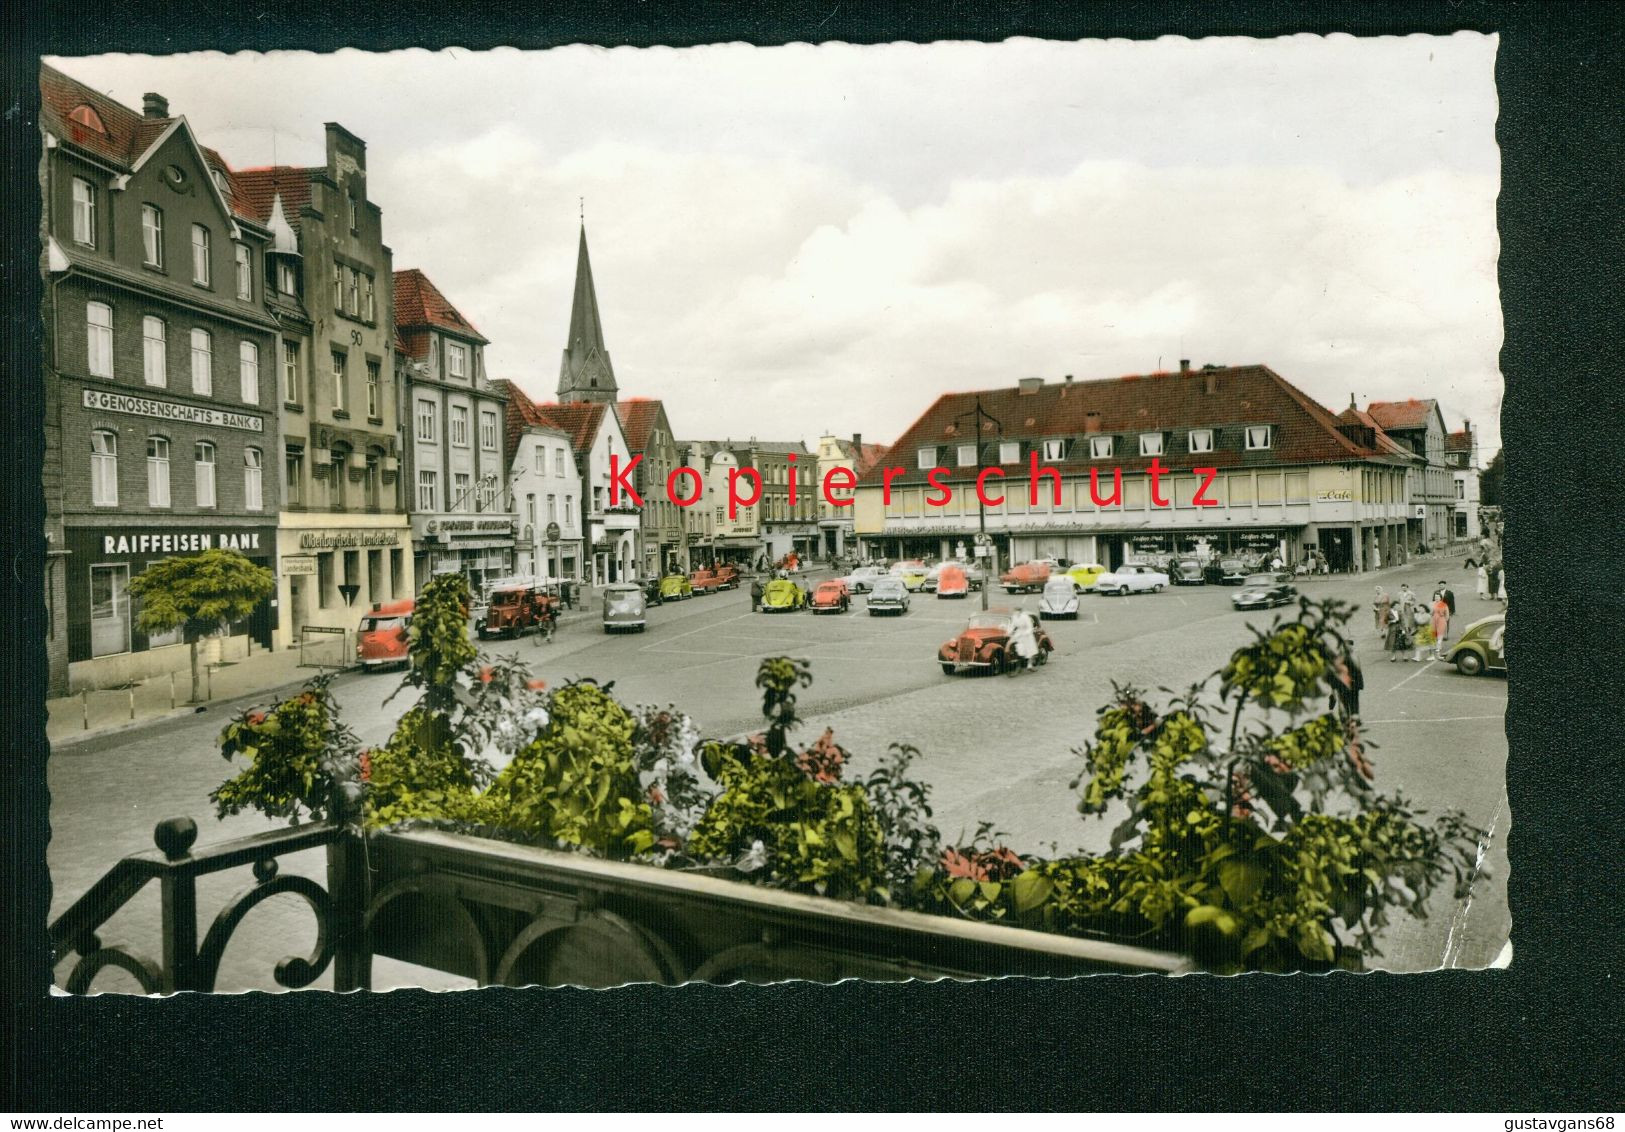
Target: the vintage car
(971, 571)
(1060, 598)
(1227, 572)
(384, 634)
(863, 578)
(1482, 647)
(1029, 577)
(651, 591)
(705, 581)
(624, 607)
(781, 595)
(727, 576)
(911, 572)
(985, 644)
(513, 610)
(1261, 591)
(676, 587)
(1132, 577)
(1187, 572)
(888, 595)
(830, 597)
(1084, 575)
(951, 581)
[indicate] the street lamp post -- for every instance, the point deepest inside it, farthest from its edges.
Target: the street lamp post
(991, 572)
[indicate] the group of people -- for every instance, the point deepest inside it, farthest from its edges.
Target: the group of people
(1409, 624)
(1492, 582)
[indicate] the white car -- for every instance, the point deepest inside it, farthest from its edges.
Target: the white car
(1132, 578)
(1060, 598)
(862, 579)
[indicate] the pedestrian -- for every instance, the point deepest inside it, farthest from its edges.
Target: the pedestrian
(1023, 640)
(1407, 601)
(1483, 582)
(1448, 594)
(1380, 608)
(1501, 591)
(1441, 625)
(1495, 579)
(755, 594)
(1422, 637)
(1398, 640)
(1347, 681)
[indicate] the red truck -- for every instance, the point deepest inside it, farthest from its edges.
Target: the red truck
(515, 610)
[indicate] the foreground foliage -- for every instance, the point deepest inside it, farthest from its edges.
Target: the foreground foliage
(1248, 830)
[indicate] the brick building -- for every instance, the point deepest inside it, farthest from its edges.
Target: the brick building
(544, 489)
(162, 435)
(648, 434)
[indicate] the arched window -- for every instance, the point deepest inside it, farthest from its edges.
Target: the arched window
(104, 468)
(253, 479)
(157, 471)
(205, 474)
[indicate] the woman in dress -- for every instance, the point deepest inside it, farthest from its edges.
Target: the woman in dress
(1440, 626)
(1398, 639)
(1422, 636)
(1483, 582)
(1024, 640)
(1380, 608)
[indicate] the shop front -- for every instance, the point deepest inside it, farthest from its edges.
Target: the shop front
(105, 648)
(335, 566)
(479, 547)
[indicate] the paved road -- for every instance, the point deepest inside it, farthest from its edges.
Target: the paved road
(997, 749)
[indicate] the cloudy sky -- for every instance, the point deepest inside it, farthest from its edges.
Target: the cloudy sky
(796, 240)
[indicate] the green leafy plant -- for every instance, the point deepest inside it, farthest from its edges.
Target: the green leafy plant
(200, 593)
(301, 760)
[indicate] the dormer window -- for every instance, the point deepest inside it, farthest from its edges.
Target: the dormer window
(1258, 437)
(1055, 451)
(927, 457)
(965, 456)
(1151, 444)
(87, 117)
(1100, 447)
(1201, 440)
(1009, 451)
(219, 180)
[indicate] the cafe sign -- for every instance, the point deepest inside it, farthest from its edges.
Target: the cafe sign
(108, 402)
(1336, 495)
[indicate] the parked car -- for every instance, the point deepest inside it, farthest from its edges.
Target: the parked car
(651, 591)
(831, 597)
(1134, 577)
(862, 579)
(912, 573)
(705, 581)
(384, 634)
(1229, 572)
(1029, 577)
(624, 607)
(727, 576)
(1060, 598)
(1187, 572)
(676, 587)
(1482, 647)
(889, 595)
(781, 595)
(984, 644)
(1261, 591)
(513, 610)
(1084, 575)
(971, 571)
(951, 581)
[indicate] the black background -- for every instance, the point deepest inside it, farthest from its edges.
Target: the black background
(1544, 1035)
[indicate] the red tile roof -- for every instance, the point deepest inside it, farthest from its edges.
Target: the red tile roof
(1393, 415)
(580, 419)
(638, 416)
(1461, 441)
(1171, 403)
(519, 414)
(256, 188)
(868, 457)
(1383, 441)
(419, 303)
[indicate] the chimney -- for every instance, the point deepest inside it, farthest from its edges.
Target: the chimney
(1210, 380)
(1091, 421)
(857, 442)
(1030, 384)
(1184, 365)
(1069, 379)
(154, 106)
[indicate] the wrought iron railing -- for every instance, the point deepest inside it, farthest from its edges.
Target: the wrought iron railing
(188, 963)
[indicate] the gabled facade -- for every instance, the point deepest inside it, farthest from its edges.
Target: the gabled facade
(854, 456)
(713, 535)
(648, 434)
(343, 537)
(1287, 475)
(611, 531)
(1418, 424)
(1461, 453)
(162, 432)
(456, 471)
(789, 505)
(544, 490)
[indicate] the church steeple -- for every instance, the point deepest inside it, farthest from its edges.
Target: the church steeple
(585, 374)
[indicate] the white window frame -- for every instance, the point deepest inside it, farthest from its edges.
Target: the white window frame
(293, 475)
(1200, 440)
(154, 351)
(1009, 451)
(158, 471)
(290, 372)
(558, 462)
(286, 282)
(253, 479)
(428, 490)
(456, 359)
(539, 461)
(927, 458)
(488, 430)
(965, 455)
(462, 492)
(459, 426)
(375, 392)
(341, 381)
(1054, 450)
(99, 339)
(152, 235)
(1259, 437)
(552, 508)
(355, 215)
(248, 372)
(369, 299)
(426, 415)
(205, 458)
(352, 294)
(1151, 444)
(84, 212)
(569, 510)
(104, 468)
(202, 362)
(338, 287)
(1100, 447)
(245, 271)
(201, 242)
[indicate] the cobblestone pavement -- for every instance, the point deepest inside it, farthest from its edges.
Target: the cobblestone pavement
(996, 749)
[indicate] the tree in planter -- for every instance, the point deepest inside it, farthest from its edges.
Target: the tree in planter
(200, 593)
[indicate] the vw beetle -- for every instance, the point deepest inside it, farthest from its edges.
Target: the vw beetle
(676, 587)
(1060, 598)
(1482, 647)
(781, 595)
(952, 582)
(831, 597)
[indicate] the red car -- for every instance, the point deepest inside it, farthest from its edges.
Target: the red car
(385, 635)
(952, 582)
(705, 581)
(727, 577)
(1029, 577)
(831, 597)
(985, 645)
